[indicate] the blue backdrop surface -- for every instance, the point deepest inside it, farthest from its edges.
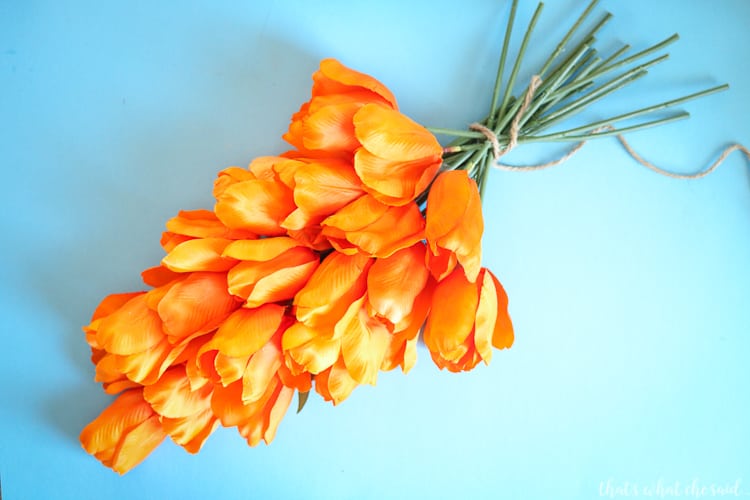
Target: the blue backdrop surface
(628, 290)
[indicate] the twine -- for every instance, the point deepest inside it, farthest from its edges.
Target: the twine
(498, 151)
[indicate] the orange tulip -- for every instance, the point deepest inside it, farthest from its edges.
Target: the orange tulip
(454, 225)
(253, 204)
(353, 116)
(124, 433)
(246, 348)
(466, 320)
(398, 158)
(185, 413)
(371, 227)
(269, 269)
(324, 124)
(255, 421)
(336, 283)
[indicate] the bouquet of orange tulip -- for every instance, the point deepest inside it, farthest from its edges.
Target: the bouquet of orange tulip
(322, 266)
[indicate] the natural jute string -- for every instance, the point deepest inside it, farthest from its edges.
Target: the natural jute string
(498, 151)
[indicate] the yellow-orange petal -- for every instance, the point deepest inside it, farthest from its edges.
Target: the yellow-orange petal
(394, 182)
(124, 433)
(335, 384)
(172, 397)
(204, 254)
(502, 336)
(339, 280)
(274, 281)
(256, 205)
(310, 348)
(144, 367)
(130, 329)
(259, 372)
(191, 432)
(375, 228)
(393, 283)
(364, 342)
(229, 368)
(486, 316)
(260, 250)
(230, 176)
(196, 305)
(245, 331)
(451, 319)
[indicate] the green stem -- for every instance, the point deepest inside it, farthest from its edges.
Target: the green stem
(501, 64)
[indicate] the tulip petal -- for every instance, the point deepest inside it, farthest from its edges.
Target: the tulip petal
(322, 188)
(124, 433)
(330, 128)
(246, 331)
(451, 319)
(486, 316)
(130, 329)
(339, 280)
(191, 432)
(335, 384)
(364, 341)
(172, 397)
(260, 370)
(257, 205)
(394, 282)
(502, 336)
(334, 77)
(196, 305)
(204, 254)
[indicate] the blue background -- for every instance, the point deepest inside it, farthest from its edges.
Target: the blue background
(629, 291)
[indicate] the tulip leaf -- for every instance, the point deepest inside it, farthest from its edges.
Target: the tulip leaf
(301, 400)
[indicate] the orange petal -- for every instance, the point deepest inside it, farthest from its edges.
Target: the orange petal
(196, 305)
(202, 224)
(454, 219)
(377, 229)
(256, 205)
(203, 254)
(330, 128)
(287, 275)
(158, 276)
(301, 382)
(230, 176)
(502, 336)
(394, 282)
(124, 433)
(334, 77)
(339, 280)
(322, 188)
(451, 320)
(394, 182)
(131, 329)
(247, 330)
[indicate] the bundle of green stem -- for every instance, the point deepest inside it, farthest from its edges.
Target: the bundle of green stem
(568, 85)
